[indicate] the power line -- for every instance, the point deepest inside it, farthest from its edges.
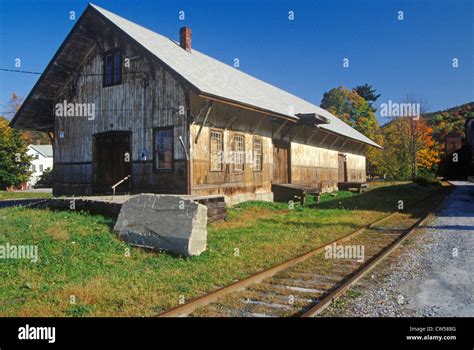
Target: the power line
(76, 74)
(19, 71)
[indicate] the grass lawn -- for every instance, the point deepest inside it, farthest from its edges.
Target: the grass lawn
(4, 195)
(79, 256)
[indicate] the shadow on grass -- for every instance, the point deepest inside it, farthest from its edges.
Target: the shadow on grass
(295, 224)
(382, 199)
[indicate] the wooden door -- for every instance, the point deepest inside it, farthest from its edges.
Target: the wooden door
(281, 164)
(112, 161)
(342, 168)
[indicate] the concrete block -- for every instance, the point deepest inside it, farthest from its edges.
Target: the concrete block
(166, 222)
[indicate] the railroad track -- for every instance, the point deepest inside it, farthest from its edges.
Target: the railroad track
(21, 202)
(306, 285)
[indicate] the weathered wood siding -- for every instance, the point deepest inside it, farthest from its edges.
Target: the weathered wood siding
(313, 155)
(313, 166)
(356, 167)
(316, 166)
(237, 186)
(148, 97)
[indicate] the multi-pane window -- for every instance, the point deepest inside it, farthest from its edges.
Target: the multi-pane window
(163, 147)
(41, 167)
(239, 153)
(33, 168)
(216, 150)
(112, 67)
(257, 155)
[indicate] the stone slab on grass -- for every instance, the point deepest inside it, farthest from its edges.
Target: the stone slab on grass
(164, 222)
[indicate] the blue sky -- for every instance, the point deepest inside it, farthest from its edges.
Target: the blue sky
(304, 56)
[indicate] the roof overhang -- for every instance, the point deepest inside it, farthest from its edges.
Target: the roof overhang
(36, 112)
(312, 119)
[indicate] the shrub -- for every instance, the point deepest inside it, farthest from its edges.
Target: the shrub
(46, 179)
(426, 178)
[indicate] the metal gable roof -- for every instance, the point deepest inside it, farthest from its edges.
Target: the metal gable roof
(215, 78)
(45, 150)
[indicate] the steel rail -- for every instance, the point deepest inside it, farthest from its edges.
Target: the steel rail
(370, 265)
(361, 272)
(206, 299)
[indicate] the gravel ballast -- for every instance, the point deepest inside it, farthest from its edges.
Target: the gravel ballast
(431, 274)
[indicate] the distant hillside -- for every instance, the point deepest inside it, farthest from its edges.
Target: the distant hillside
(450, 121)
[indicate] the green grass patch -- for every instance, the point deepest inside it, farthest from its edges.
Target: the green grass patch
(354, 294)
(80, 258)
(338, 304)
(4, 195)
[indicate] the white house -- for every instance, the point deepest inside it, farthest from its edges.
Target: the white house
(42, 160)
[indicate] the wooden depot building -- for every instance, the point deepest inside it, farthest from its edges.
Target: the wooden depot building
(123, 102)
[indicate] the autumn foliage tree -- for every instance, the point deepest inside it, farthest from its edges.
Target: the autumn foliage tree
(31, 137)
(14, 162)
(428, 151)
(408, 148)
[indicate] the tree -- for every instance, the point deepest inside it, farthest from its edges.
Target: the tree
(46, 179)
(351, 108)
(408, 147)
(14, 162)
(36, 137)
(31, 137)
(428, 151)
(394, 162)
(368, 93)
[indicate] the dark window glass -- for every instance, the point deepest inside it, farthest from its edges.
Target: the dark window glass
(117, 67)
(113, 68)
(164, 149)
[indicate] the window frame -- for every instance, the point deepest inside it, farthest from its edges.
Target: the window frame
(155, 159)
(257, 139)
(104, 67)
(235, 152)
(221, 132)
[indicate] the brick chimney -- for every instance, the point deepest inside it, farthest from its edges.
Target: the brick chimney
(185, 38)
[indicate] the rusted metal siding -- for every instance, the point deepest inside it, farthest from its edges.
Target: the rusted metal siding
(148, 97)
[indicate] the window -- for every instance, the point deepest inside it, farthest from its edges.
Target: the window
(163, 146)
(112, 67)
(216, 151)
(257, 155)
(239, 153)
(33, 168)
(41, 167)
